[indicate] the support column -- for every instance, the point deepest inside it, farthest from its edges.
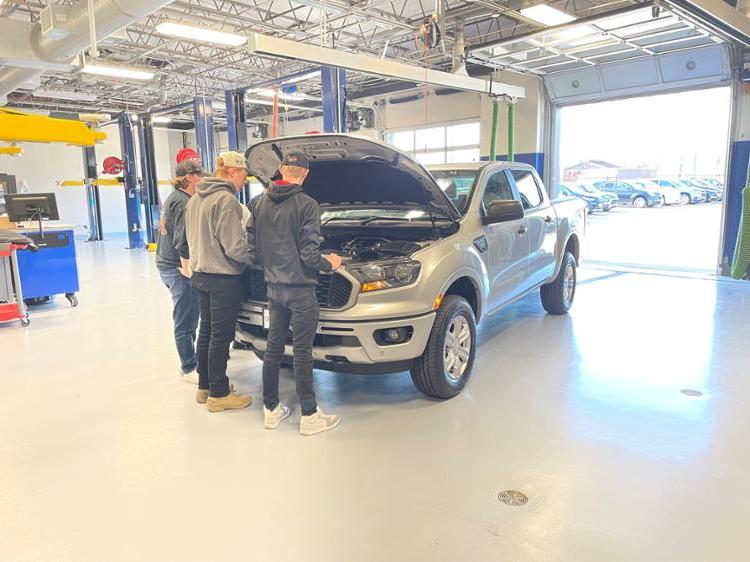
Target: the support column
(237, 129)
(93, 200)
(132, 189)
(334, 99)
(148, 173)
(204, 132)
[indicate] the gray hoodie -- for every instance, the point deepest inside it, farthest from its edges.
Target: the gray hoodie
(213, 220)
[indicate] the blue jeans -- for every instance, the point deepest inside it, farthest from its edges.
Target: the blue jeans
(185, 313)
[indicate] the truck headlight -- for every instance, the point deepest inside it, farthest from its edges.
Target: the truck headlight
(387, 275)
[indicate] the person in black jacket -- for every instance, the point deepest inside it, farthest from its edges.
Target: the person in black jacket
(172, 257)
(284, 239)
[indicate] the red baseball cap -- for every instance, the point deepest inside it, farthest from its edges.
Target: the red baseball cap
(186, 154)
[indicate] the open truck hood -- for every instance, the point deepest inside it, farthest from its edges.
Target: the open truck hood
(347, 170)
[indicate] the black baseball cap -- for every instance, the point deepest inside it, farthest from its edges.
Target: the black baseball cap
(296, 158)
(188, 167)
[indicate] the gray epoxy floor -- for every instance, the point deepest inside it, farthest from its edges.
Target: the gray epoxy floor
(104, 455)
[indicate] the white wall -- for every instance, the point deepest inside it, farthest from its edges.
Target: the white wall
(41, 166)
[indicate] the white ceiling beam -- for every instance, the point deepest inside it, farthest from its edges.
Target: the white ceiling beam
(285, 48)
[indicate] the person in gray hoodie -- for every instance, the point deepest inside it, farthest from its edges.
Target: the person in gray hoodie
(218, 256)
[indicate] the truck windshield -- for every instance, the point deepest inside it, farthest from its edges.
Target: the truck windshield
(457, 185)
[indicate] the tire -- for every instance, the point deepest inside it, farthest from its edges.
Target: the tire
(639, 202)
(430, 373)
(557, 297)
(685, 199)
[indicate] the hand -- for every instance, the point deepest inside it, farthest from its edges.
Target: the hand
(334, 260)
(185, 270)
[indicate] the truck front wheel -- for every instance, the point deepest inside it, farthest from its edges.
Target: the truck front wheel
(557, 297)
(445, 366)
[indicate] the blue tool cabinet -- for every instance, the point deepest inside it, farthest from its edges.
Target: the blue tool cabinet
(52, 270)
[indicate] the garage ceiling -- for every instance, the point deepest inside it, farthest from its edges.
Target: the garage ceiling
(631, 34)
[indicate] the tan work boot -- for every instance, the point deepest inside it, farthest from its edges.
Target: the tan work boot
(202, 395)
(318, 422)
(231, 401)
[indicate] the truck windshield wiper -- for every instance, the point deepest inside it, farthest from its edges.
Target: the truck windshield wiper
(325, 222)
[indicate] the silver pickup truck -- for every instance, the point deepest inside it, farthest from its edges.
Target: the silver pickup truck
(426, 255)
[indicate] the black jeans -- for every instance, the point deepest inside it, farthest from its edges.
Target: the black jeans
(220, 301)
(299, 306)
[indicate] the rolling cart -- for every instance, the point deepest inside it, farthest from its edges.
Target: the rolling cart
(12, 306)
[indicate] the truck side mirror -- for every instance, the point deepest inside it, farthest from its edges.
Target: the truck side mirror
(503, 211)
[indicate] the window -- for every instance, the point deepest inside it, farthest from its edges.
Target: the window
(498, 189)
(527, 188)
(452, 144)
(457, 185)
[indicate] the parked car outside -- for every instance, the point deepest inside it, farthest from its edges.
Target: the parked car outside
(630, 194)
(714, 182)
(670, 195)
(593, 203)
(688, 194)
(610, 198)
(712, 192)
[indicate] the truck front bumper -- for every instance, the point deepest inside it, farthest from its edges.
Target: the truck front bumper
(342, 346)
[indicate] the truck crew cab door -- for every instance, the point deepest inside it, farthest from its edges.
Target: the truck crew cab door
(507, 244)
(542, 227)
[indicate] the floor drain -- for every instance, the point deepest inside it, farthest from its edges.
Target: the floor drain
(513, 497)
(691, 392)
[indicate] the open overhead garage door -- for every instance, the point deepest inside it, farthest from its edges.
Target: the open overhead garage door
(636, 51)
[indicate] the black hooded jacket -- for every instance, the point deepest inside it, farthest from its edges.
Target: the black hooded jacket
(284, 236)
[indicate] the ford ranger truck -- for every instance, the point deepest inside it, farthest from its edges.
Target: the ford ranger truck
(426, 255)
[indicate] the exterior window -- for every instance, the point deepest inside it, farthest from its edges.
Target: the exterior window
(527, 188)
(452, 144)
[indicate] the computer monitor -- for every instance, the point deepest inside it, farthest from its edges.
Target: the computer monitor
(31, 207)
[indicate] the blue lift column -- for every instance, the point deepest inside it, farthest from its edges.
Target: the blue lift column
(132, 189)
(204, 132)
(93, 200)
(148, 173)
(334, 99)
(237, 129)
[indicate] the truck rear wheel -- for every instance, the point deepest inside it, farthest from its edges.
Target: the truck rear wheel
(557, 297)
(446, 364)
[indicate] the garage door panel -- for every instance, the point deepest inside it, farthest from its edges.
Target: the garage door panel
(697, 67)
(577, 82)
(698, 63)
(631, 74)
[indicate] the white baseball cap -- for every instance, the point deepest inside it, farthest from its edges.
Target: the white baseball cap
(232, 159)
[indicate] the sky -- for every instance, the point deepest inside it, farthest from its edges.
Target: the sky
(679, 134)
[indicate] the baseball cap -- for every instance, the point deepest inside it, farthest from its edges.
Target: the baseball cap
(232, 159)
(188, 167)
(296, 158)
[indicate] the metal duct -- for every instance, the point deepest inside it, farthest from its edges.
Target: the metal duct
(111, 16)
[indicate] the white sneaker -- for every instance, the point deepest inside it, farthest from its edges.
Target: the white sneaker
(273, 418)
(192, 378)
(317, 423)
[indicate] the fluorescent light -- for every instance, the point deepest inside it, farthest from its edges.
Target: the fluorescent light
(282, 106)
(204, 34)
(547, 15)
(117, 71)
(64, 95)
(161, 119)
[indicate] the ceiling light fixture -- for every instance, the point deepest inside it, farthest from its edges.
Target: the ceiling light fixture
(285, 105)
(547, 15)
(117, 71)
(203, 34)
(161, 119)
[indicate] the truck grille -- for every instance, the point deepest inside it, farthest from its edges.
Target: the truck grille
(333, 289)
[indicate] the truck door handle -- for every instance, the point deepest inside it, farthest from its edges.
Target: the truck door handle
(523, 230)
(548, 219)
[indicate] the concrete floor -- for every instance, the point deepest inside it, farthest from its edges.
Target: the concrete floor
(104, 455)
(683, 238)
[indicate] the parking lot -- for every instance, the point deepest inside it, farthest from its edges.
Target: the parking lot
(684, 238)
